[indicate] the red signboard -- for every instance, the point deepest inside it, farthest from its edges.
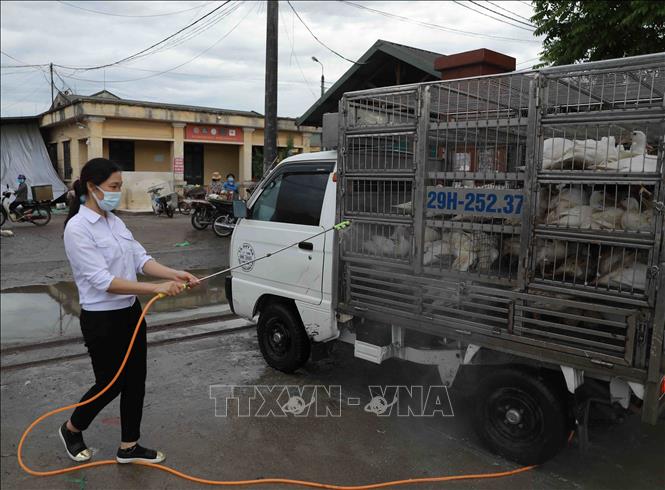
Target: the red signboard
(208, 132)
(178, 165)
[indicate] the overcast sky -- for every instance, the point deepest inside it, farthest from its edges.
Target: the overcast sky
(224, 61)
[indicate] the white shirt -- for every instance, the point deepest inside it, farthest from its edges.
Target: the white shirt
(100, 249)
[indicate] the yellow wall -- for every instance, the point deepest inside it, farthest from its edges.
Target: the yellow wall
(282, 138)
(126, 129)
(147, 156)
(220, 158)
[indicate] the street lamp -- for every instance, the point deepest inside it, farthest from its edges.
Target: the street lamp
(322, 79)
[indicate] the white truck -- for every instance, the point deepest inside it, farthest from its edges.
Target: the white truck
(500, 230)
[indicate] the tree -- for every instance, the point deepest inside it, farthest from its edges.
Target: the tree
(597, 30)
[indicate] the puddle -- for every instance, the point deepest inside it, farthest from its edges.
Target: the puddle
(41, 313)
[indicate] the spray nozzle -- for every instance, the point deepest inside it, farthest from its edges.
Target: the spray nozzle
(342, 224)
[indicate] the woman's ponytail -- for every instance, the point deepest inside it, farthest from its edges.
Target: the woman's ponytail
(96, 171)
(75, 203)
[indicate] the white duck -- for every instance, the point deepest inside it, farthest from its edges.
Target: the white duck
(632, 277)
(571, 269)
(569, 196)
(549, 251)
(638, 160)
(604, 216)
(636, 217)
(560, 153)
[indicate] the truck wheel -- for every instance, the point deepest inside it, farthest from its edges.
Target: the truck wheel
(282, 337)
(519, 416)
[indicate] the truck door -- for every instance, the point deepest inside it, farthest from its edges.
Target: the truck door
(287, 210)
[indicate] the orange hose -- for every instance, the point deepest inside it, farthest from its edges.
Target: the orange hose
(265, 481)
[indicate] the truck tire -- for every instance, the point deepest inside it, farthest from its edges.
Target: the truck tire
(282, 337)
(520, 416)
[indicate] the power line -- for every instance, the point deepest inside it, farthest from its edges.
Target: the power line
(490, 16)
(502, 15)
(511, 12)
(23, 63)
(437, 26)
(317, 39)
(127, 58)
(39, 87)
(529, 60)
(170, 69)
(213, 21)
(132, 16)
(291, 41)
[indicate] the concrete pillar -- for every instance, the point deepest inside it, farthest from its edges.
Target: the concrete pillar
(245, 156)
(60, 152)
(96, 138)
(178, 152)
(306, 142)
(74, 158)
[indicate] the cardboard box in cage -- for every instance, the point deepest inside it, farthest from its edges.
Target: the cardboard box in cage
(42, 193)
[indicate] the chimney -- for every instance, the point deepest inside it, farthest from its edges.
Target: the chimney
(473, 63)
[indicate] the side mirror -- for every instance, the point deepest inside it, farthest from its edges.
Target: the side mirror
(239, 209)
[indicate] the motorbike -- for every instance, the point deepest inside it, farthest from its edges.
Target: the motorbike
(206, 211)
(189, 193)
(225, 223)
(33, 212)
(163, 204)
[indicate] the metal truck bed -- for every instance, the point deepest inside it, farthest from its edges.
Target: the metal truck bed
(503, 210)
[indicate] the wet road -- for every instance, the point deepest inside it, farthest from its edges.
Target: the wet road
(352, 448)
(47, 312)
(36, 255)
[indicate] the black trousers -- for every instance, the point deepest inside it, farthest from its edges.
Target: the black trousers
(107, 335)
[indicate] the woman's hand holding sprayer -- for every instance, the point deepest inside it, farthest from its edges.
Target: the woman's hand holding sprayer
(181, 280)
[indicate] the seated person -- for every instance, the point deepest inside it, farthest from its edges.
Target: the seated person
(215, 186)
(230, 184)
(21, 194)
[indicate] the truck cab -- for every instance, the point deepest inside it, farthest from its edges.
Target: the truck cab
(291, 293)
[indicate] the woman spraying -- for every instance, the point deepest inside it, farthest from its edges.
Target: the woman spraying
(105, 259)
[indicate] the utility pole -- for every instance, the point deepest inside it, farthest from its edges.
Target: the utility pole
(270, 127)
(52, 97)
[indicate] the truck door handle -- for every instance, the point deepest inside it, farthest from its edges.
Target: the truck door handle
(306, 246)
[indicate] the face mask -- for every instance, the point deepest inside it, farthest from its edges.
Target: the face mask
(110, 201)
(230, 180)
(20, 181)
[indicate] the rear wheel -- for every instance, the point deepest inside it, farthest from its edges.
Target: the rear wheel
(169, 211)
(41, 215)
(521, 416)
(197, 219)
(184, 208)
(223, 225)
(282, 337)
(3, 216)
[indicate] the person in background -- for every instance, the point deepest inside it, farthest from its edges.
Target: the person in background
(230, 184)
(21, 194)
(215, 186)
(105, 260)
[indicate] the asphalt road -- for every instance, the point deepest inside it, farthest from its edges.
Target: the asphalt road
(353, 448)
(36, 255)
